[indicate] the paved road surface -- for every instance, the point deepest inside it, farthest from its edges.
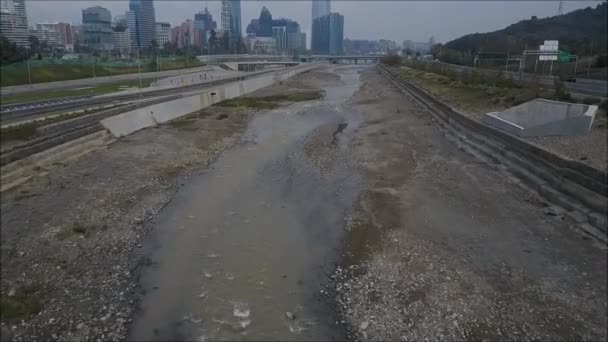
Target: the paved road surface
(88, 82)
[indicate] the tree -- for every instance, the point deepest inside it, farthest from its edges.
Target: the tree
(34, 44)
(436, 50)
(391, 59)
(10, 52)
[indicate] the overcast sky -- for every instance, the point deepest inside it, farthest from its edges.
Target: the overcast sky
(396, 20)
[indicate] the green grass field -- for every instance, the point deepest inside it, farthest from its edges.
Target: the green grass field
(55, 70)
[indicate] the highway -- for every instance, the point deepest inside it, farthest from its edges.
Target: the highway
(93, 81)
(27, 111)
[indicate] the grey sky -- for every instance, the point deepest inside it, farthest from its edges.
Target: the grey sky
(396, 20)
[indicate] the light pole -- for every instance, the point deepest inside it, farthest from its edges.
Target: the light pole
(139, 69)
(27, 58)
(158, 63)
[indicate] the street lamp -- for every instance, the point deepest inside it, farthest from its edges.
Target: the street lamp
(139, 69)
(29, 74)
(158, 63)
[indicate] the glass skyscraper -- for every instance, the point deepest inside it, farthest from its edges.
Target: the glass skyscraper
(97, 28)
(320, 8)
(336, 33)
(328, 34)
(144, 24)
(231, 20)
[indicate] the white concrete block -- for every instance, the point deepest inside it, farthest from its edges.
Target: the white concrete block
(129, 122)
(541, 117)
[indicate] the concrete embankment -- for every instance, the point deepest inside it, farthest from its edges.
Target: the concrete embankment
(20, 165)
(131, 121)
(576, 189)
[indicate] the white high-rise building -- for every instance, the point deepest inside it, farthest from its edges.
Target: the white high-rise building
(13, 21)
(162, 33)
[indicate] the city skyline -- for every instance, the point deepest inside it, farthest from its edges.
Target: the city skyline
(407, 16)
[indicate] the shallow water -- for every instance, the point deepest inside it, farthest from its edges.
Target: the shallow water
(241, 252)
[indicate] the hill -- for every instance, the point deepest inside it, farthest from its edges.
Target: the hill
(582, 32)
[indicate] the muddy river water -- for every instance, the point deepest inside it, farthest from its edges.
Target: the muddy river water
(243, 249)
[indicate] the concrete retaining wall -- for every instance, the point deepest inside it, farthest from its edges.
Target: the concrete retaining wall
(578, 189)
(22, 170)
(134, 120)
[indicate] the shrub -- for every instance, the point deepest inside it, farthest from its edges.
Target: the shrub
(561, 94)
(391, 60)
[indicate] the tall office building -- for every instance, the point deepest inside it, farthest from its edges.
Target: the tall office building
(280, 36)
(319, 39)
(296, 42)
(121, 36)
(56, 35)
(231, 21)
(328, 34)
(183, 35)
(336, 33)
(97, 28)
(320, 8)
(132, 29)
(285, 31)
(145, 22)
(162, 33)
(203, 24)
(13, 21)
(320, 35)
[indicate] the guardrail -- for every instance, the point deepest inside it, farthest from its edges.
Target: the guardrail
(582, 191)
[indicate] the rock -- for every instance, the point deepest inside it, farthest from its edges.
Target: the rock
(290, 315)
(12, 291)
(364, 325)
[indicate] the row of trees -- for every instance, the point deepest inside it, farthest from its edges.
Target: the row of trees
(11, 53)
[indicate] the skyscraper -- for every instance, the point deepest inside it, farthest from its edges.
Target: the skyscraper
(13, 21)
(231, 21)
(203, 24)
(56, 34)
(320, 35)
(97, 28)
(145, 22)
(162, 33)
(320, 8)
(336, 33)
(328, 34)
(285, 31)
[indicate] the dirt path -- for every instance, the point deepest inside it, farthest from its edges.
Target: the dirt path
(443, 248)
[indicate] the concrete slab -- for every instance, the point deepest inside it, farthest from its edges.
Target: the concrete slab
(541, 117)
(129, 122)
